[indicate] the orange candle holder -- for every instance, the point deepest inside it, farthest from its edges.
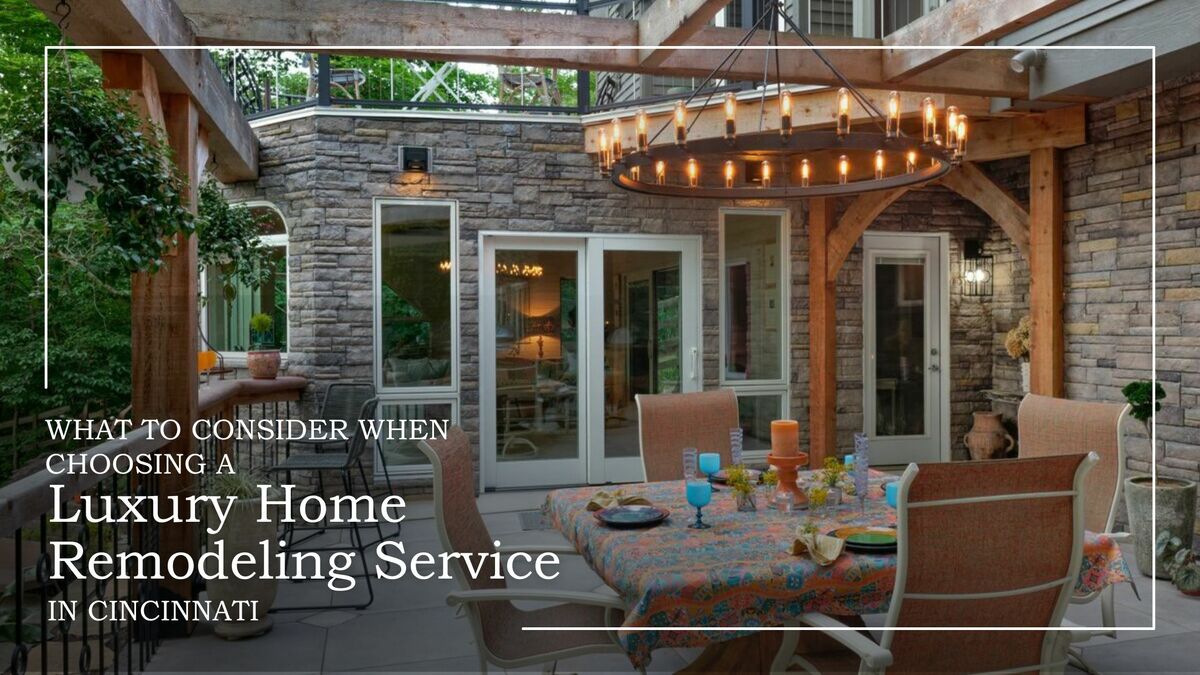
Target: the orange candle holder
(788, 468)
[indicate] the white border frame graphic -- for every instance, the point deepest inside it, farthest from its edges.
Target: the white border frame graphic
(47, 49)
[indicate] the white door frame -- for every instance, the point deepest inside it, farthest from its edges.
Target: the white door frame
(590, 309)
(937, 277)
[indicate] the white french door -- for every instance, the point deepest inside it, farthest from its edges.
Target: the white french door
(572, 328)
(905, 347)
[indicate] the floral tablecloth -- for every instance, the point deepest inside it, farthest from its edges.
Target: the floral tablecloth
(739, 572)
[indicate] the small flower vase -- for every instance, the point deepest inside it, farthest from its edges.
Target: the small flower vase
(834, 499)
(768, 494)
(745, 501)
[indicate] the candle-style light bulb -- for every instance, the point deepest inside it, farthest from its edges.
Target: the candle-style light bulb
(929, 119)
(785, 114)
(616, 139)
(893, 116)
(660, 172)
(635, 172)
(910, 161)
(952, 126)
(961, 136)
(843, 169)
(878, 165)
(730, 116)
(643, 143)
(805, 172)
(843, 111)
(604, 152)
(728, 173)
(693, 172)
(766, 173)
(680, 123)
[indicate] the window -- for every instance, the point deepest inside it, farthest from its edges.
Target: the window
(228, 306)
(416, 310)
(754, 318)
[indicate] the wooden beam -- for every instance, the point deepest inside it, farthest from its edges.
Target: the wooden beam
(969, 181)
(388, 23)
(854, 221)
(810, 110)
(962, 22)
(188, 71)
(664, 23)
(1016, 136)
(822, 334)
(1046, 362)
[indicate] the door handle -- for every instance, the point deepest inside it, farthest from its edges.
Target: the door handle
(695, 359)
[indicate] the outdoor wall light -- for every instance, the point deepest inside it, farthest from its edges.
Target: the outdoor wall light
(416, 158)
(1026, 59)
(976, 270)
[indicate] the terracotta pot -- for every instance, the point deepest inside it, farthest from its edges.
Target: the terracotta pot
(263, 365)
(987, 438)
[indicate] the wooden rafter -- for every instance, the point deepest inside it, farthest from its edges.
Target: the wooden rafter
(854, 221)
(972, 183)
(665, 23)
(188, 72)
(1017, 136)
(962, 22)
(526, 38)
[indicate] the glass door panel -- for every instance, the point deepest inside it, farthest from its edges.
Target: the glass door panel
(904, 400)
(641, 339)
(531, 293)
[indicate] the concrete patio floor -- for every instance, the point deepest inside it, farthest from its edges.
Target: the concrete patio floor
(410, 629)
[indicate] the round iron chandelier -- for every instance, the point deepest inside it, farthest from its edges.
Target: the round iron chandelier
(786, 163)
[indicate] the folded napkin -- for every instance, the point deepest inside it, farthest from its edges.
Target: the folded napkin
(604, 499)
(821, 548)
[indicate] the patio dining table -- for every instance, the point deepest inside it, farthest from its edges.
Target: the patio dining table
(741, 573)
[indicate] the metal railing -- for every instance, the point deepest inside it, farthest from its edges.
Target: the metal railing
(41, 635)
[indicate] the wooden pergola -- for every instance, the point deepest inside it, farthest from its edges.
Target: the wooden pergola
(182, 91)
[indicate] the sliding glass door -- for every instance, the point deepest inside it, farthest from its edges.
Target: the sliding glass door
(572, 330)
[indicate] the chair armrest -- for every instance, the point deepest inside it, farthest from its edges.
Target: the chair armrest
(1078, 633)
(534, 549)
(534, 595)
(872, 654)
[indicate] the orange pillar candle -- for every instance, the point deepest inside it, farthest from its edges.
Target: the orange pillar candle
(785, 438)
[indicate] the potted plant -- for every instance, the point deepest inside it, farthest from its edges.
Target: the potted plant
(1016, 343)
(262, 359)
(1175, 497)
(831, 478)
(242, 536)
(738, 479)
(1180, 563)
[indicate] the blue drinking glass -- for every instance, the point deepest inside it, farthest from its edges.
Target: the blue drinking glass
(699, 494)
(710, 463)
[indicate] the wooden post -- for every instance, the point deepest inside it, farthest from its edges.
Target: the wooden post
(163, 306)
(822, 334)
(1046, 364)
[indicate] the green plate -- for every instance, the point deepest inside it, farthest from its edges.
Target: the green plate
(867, 539)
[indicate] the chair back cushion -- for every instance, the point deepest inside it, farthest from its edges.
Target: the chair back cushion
(972, 555)
(668, 423)
(1058, 426)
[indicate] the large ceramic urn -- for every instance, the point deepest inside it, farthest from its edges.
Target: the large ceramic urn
(987, 438)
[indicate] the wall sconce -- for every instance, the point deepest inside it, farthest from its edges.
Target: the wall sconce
(976, 270)
(416, 159)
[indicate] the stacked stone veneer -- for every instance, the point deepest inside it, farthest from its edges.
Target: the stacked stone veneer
(323, 172)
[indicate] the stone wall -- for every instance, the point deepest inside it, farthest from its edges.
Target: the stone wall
(1108, 315)
(323, 172)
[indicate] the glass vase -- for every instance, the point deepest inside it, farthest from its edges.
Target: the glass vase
(745, 502)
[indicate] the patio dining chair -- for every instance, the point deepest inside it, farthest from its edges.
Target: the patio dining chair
(495, 621)
(1055, 426)
(341, 401)
(981, 544)
(345, 464)
(668, 423)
